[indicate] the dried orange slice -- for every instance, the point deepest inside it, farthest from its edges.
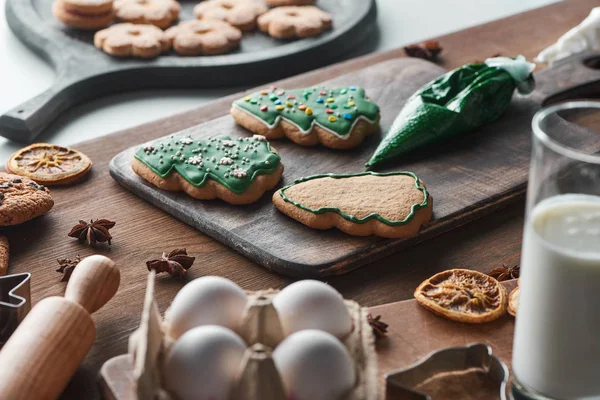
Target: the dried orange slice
(513, 302)
(49, 164)
(463, 295)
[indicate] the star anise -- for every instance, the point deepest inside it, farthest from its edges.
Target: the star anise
(176, 263)
(67, 266)
(505, 273)
(94, 231)
(379, 327)
(429, 50)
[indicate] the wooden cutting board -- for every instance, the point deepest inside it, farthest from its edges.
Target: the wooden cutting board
(413, 333)
(467, 177)
(84, 73)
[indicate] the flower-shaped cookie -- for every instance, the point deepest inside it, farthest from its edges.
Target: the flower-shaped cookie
(192, 38)
(294, 21)
(161, 13)
(240, 13)
(279, 3)
(131, 40)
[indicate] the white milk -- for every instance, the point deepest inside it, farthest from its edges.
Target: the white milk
(557, 336)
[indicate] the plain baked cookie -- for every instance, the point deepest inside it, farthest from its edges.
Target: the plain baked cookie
(84, 14)
(279, 3)
(240, 13)
(21, 199)
(132, 40)
(49, 164)
(193, 38)
(392, 205)
(294, 22)
(238, 171)
(160, 13)
(338, 118)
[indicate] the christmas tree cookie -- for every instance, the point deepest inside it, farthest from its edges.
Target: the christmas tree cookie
(391, 205)
(238, 171)
(339, 118)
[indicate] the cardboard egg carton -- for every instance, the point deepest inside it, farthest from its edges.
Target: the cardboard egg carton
(258, 378)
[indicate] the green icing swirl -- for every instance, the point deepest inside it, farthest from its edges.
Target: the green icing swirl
(334, 109)
(233, 163)
(369, 217)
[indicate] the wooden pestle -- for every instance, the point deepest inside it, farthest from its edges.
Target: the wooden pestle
(44, 352)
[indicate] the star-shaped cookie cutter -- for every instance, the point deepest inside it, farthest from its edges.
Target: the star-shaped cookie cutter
(15, 302)
(400, 385)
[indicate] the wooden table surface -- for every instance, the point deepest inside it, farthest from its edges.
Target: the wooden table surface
(142, 232)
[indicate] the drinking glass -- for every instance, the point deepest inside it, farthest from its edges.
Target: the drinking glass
(556, 353)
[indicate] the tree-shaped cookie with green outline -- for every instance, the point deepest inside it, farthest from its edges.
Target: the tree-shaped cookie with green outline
(238, 170)
(339, 118)
(391, 205)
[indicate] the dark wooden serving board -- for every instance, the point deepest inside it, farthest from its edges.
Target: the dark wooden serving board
(467, 177)
(413, 333)
(143, 231)
(84, 73)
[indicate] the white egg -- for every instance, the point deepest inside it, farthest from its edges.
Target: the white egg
(210, 300)
(203, 363)
(312, 304)
(314, 365)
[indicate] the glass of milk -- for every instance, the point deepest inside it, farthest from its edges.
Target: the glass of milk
(556, 353)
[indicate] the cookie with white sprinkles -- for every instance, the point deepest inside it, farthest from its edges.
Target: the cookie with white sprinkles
(339, 118)
(238, 171)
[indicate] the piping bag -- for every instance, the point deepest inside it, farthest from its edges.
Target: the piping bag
(455, 103)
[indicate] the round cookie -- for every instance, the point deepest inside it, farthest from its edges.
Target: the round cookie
(193, 38)
(160, 13)
(279, 3)
(84, 14)
(49, 164)
(240, 13)
(294, 22)
(21, 199)
(132, 40)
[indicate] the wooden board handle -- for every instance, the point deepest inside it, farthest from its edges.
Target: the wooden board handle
(94, 282)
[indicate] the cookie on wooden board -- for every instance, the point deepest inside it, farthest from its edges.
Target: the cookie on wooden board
(84, 14)
(279, 3)
(391, 205)
(132, 40)
(161, 13)
(238, 171)
(240, 13)
(21, 199)
(294, 22)
(463, 295)
(194, 38)
(338, 118)
(49, 164)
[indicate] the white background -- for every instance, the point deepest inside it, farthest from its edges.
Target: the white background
(24, 75)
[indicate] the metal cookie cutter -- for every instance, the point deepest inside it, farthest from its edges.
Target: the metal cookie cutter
(400, 384)
(15, 303)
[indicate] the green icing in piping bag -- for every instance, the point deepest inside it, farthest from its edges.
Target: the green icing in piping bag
(455, 103)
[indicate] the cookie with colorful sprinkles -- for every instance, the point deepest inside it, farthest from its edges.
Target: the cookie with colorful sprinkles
(238, 171)
(339, 118)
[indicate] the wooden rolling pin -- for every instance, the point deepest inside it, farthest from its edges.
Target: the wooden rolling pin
(44, 352)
